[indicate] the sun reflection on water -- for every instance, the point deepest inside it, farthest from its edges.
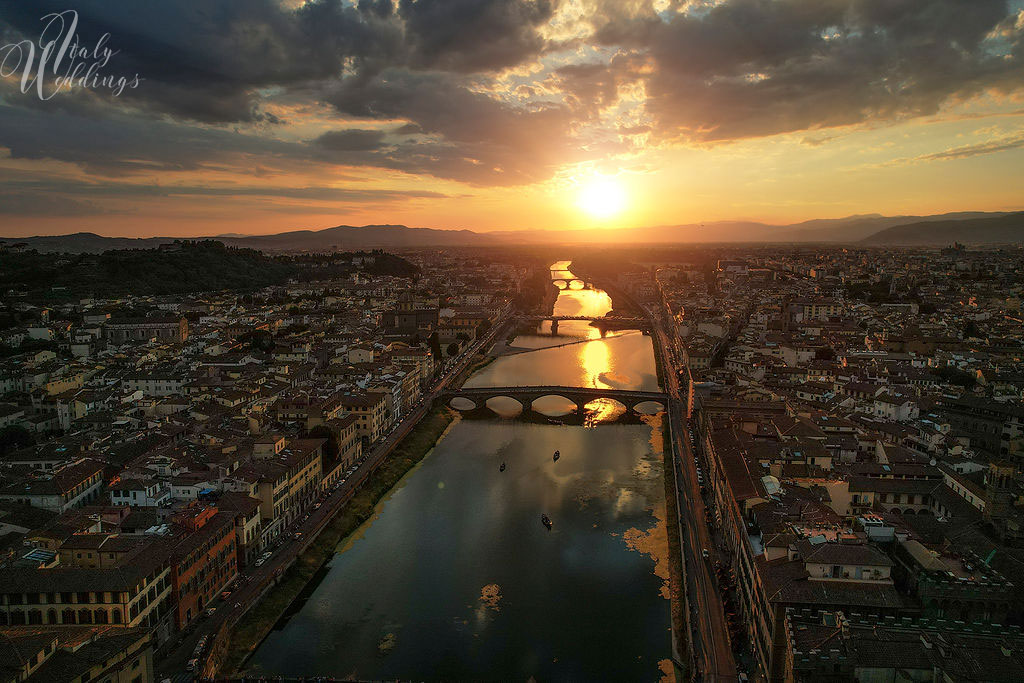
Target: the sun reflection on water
(595, 359)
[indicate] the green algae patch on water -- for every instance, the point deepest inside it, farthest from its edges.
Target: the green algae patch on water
(453, 418)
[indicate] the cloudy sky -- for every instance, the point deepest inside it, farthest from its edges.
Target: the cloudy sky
(268, 115)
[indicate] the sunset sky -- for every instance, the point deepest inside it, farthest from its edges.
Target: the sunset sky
(258, 116)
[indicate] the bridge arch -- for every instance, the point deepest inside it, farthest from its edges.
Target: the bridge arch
(546, 397)
(649, 407)
(495, 405)
(462, 404)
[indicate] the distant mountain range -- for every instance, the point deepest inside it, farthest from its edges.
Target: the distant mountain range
(992, 230)
(872, 229)
(344, 237)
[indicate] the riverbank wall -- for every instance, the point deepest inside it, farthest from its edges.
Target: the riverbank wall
(237, 643)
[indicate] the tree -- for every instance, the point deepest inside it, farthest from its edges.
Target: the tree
(435, 347)
(258, 340)
(462, 336)
(330, 449)
(956, 376)
(453, 349)
(14, 437)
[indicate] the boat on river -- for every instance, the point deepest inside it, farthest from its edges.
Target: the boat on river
(546, 521)
(502, 468)
(556, 456)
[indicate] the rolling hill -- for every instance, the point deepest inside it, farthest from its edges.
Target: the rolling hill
(342, 237)
(1007, 229)
(350, 237)
(870, 229)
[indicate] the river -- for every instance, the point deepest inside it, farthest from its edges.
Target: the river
(455, 577)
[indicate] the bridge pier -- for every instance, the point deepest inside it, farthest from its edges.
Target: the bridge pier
(578, 417)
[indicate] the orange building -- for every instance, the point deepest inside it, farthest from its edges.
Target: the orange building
(204, 559)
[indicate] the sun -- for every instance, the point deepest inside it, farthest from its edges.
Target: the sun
(602, 198)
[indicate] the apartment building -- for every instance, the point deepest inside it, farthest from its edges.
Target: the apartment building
(67, 487)
(371, 411)
(169, 329)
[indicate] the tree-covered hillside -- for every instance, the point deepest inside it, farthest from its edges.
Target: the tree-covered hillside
(178, 268)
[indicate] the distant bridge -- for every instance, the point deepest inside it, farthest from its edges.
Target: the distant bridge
(581, 396)
(565, 282)
(607, 322)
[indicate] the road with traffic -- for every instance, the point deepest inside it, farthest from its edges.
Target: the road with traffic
(712, 652)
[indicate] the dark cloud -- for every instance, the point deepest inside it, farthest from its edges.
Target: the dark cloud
(69, 197)
(588, 87)
(202, 60)
(351, 140)
(750, 68)
(40, 204)
(119, 143)
(472, 136)
(206, 61)
(421, 74)
(474, 35)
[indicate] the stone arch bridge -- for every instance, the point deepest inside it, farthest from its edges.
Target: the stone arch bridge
(600, 322)
(566, 282)
(581, 396)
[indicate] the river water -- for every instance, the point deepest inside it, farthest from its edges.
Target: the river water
(455, 577)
